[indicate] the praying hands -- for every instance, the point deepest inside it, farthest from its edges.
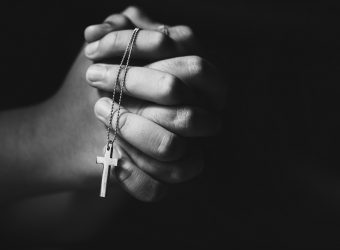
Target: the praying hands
(171, 98)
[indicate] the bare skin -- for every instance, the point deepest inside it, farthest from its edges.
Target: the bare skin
(56, 142)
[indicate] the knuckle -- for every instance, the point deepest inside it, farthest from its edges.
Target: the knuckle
(160, 41)
(167, 145)
(196, 65)
(169, 85)
(184, 118)
(186, 33)
(111, 41)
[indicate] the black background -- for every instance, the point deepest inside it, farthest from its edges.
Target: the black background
(272, 177)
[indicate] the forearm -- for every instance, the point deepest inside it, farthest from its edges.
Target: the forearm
(24, 157)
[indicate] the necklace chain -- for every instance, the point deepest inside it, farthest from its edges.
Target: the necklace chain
(127, 53)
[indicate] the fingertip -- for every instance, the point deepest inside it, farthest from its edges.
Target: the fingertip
(91, 49)
(102, 109)
(97, 31)
(182, 33)
(119, 21)
(133, 10)
(96, 72)
(88, 33)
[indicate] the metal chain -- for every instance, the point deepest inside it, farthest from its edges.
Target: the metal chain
(127, 52)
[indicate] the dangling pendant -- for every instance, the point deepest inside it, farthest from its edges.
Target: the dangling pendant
(109, 160)
(111, 156)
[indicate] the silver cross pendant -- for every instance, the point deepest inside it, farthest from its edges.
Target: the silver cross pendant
(109, 160)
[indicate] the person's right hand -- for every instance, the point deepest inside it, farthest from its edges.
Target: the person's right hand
(169, 101)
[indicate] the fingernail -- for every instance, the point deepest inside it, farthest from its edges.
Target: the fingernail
(102, 108)
(95, 72)
(91, 48)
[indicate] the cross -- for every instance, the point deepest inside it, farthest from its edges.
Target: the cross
(107, 161)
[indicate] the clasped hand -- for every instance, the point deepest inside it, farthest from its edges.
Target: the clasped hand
(170, 98)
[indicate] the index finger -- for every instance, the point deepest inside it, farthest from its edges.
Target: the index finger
(148, 45)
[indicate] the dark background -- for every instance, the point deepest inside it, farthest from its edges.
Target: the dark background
(272, 177)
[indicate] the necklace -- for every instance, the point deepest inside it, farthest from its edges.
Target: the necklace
(110, 158)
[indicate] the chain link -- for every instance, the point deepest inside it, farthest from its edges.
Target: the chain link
(127, 53)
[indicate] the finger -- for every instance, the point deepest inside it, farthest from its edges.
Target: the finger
(149, 45)
(142, 83)
(197, 73)
(168, 172)
(112, 23)
(142, 133)
(185, 39)
(140, 18)
(182, 34)
(187, 121)
(137, 182)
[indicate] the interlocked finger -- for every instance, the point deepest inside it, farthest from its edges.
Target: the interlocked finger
(114, 22)
(137, 182)
(150, 45)
(167, 172)
(147, 136)
(187, 121)
(142, 83)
